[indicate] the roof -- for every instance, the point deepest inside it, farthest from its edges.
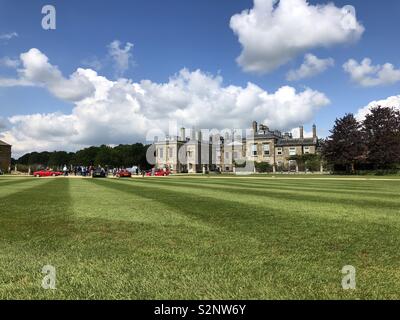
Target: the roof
(2, 143)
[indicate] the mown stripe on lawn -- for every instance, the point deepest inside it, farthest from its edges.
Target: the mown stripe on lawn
(17, 185)
(363, 186)
(343, 209)
(91, 200)
(282, 234)
(34, 223)
(297, 189)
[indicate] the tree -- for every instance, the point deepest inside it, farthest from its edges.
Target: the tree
(58, 159)
(345, 146)
(381, 129)
(311, 162)
(104, 156)
(263, 167)
(120, 156)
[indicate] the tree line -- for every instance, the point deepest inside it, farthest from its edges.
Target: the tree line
(372, 144)
(120, 156)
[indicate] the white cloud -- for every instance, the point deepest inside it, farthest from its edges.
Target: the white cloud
(296, 133)
(3, 124)
(121, 56)
(391, 102)
(124, 111)
(368, 75)
(8, 36)
(311, 67)
(273, 33)
(37, 71)
(9, 63)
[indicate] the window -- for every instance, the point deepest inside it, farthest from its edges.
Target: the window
(266, 149)
(307, 150)
(171, 152)
(161, 152)
(226, 155)
(292, 151)
(254, 150)
(279, 151)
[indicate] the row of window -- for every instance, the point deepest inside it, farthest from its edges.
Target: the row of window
(279, 151)
(254, 151)
(161, 152)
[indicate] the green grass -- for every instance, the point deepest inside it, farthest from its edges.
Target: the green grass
(199, 238)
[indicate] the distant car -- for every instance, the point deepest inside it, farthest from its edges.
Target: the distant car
(159, 173)
(99, 173)
(123, 174)
(47, 173)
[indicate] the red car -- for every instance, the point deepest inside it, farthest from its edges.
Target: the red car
(47, 173)
(123, 174)
(159, 173)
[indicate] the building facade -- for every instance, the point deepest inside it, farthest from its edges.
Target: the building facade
(222, 153)
(5, 156)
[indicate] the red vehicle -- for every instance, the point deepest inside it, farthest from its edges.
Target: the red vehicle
(123, 174)
(47, 173)
(159, 173)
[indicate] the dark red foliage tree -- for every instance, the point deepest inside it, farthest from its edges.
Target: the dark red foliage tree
(381, 129)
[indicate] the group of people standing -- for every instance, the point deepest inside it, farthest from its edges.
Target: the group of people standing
(83, 171)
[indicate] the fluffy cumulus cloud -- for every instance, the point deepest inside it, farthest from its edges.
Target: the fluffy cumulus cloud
(391, 102)
(121, 56)
(311, 67)
(274, 32)
(36, 70)
(124, 111)
(368, 75)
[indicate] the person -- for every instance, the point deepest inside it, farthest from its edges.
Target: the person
(137, 171)
(65, 169)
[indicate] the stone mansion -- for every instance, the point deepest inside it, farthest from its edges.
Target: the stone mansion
(5, 156)
(221, 152)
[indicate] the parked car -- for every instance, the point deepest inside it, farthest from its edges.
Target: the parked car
(47, 173)
(159, 173)
(99, 173)
(123, 174)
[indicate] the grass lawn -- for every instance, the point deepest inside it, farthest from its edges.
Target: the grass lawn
(199, 238)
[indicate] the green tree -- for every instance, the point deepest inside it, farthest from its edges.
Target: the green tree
(263, 167)
(345, 146)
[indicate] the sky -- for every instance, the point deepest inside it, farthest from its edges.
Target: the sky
(113, 72)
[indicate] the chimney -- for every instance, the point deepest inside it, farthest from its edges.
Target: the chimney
(193, 134)
(301, 132)
(255, 126)
(314, 131)
(199, 136)
(183, 135)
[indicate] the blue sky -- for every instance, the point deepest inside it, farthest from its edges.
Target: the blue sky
(168, 35)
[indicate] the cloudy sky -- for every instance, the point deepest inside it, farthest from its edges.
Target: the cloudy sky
(113, 70)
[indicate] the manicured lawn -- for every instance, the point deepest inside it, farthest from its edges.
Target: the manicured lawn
(199, 238)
